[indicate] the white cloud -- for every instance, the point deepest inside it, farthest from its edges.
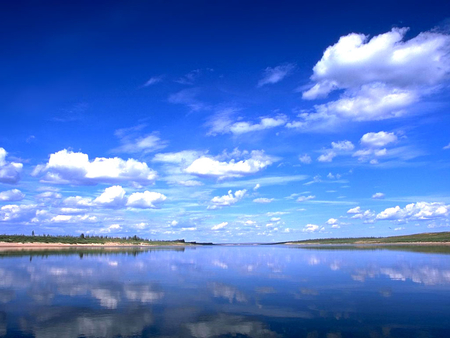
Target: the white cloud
(355, 60)
(68, 167)
(144, 144)
(219, 226)
(190, 183)
(146, 199)
(73, 219)
(327, 157)
(185, 157)
(221, 123)
(305, 159)
(17, 213)
(305, 198)
(263, 200)
(415, 212)
(207, 166)
(312, 228)
(355, 210)
(378, 140)
(276, 74)
(112, 197)
(227, 200)
(342, 145)
(9, 171)
(381, 77)
(11, 195)
(257, 186)
(447, 147)
(335, 226)
(78, 201)
(378, 195)
(332, 221)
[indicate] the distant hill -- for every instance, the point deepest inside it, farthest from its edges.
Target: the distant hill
(431, 237)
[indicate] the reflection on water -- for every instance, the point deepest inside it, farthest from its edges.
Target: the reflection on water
(262, 291)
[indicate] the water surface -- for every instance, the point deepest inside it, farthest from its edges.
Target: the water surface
(254, 291)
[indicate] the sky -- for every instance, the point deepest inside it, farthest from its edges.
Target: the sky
(225, 121)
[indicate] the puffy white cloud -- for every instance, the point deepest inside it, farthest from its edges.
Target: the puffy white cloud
(17, 213)
(207, 166)
(378, 195)
(332, 221)
(327, 157)
(9, 171)
(381, 77)
(305, 198)
(415, 211)
(276, 74)
(78, 201)
(48, 195)
(219, 226)
(355, 210)
(68, 167)
(378, 140)
(305, 159)
(112, 197)
(146, 199)
(263, 200)
(355, 60)
(227, 200)
(73, 219)
(11, 195)
(342, 145)
(312, 228)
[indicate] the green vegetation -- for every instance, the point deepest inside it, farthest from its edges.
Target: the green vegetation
(86, 239)
(433, 237)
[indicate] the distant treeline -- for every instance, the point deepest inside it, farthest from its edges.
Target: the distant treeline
(85, 239)
(431, 237)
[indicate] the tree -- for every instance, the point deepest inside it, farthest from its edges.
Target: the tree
(32, 233)
(82, 236)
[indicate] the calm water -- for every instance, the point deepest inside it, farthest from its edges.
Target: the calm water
(263, 291)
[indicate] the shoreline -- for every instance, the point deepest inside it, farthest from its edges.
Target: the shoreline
(372, 243)
(65, 245)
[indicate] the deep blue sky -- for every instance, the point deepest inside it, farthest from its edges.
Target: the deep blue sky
(323, 119)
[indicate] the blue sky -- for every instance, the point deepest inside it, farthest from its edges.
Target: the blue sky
(225, 121)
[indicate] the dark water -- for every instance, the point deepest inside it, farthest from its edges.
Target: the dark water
(260, 291)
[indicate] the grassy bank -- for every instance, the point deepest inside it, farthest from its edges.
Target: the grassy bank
(86, 240)
(433, 237)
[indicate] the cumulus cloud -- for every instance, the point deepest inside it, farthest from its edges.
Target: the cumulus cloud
(378, 196)
(305, 159)
(332, 221)
(378, 140)
(327, 157)
(210, 167)
(312, 228)
(263, 200)
(366, 215)
(415, 212)
(11, 195)
(9, 171)
(219, 226)
(68, 167)
(146, 200)
(112, 197)
(78, 201)
(17, 213)
(305, 198)
(381, 77)
(342, 145)
(276, 74)
(227, 200)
